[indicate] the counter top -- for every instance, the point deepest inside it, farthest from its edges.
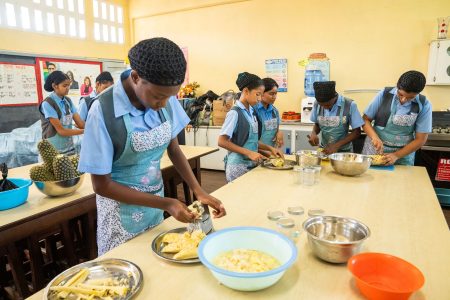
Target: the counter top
(39, 203)
(399, 207)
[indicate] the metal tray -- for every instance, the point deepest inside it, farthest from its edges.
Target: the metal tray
(157, 246)
(288, 165)
(118, 268)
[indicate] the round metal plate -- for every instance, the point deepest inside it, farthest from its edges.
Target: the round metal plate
(117, 268)
(288, 165)
(157, 246)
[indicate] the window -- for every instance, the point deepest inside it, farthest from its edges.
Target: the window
(10, 15)
(25, 17)
(60, 17)
(108, 18)
(65, 18)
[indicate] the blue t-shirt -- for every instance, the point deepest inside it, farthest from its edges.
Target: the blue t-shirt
(423, 121)
(231, 119)
(97, 150)
(266, 113)
(355, 121)
(83, 110)
(50, 112)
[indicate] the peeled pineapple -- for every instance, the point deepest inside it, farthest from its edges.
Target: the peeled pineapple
(183, 245)
(377, 159)
(277, 162)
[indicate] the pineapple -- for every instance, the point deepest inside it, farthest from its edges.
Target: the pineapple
(40, 173)
(75, 159)
(48, 153)
(63, 168)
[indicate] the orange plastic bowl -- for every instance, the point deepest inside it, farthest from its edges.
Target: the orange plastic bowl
(385, 277)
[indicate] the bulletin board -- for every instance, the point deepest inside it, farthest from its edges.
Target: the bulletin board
(82, 75)
(18, 84)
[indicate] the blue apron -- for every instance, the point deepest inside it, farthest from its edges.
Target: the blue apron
(64, 144)
(138, 168)
(237, 164)
(399, 132)
(334, 128)
(269, 130)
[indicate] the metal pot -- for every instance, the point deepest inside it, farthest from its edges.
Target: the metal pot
(307, 158)
(335, 239)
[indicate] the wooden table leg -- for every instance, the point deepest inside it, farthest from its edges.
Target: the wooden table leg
(16, 266)
(36, 262)
(91, 234)
(187, 193)
(69, 247)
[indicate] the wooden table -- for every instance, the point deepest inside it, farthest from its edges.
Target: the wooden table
(400, 208)
(41, 212)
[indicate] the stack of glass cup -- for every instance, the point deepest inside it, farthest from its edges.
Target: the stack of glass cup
(307, 176)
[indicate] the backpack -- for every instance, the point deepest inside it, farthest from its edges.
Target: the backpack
(199, 110)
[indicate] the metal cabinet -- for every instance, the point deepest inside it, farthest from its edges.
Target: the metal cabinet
(301, 140)
(439, 63)
(287, 137)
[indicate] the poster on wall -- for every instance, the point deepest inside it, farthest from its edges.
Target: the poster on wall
(82, 75)
(18, 85)
(277, 70)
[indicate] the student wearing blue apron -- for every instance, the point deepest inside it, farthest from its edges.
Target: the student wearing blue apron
(269, 115)
(103, 81)
(57, 113)
(241, 130)
(401, 120)
(332, 115)
(128, 130)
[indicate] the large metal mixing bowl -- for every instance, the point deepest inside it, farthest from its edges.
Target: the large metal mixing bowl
(350, 164)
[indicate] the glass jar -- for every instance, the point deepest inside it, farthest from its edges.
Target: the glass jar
(317, 170)
(286, 226)
(315, 212)
(297, 174)
(308, 176)
(296, 213)
(273, 217)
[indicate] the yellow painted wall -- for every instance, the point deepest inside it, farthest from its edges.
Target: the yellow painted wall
(36, 43)
(370, 43)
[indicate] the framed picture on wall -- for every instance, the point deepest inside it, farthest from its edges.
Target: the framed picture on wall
(81, 73)
(18, 84)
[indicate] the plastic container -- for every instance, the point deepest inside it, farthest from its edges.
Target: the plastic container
(255, 238)
(16, 197)
(385, 277)
(312, 74)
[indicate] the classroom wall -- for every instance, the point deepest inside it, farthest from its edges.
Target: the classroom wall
(370, 43)
(30, 42)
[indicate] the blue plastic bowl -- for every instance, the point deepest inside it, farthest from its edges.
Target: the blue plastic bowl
(254, 238)
(16, 197)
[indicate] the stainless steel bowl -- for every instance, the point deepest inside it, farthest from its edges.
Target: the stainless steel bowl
(350, 164)
(59, 188)
(307, 158)
(335, 239)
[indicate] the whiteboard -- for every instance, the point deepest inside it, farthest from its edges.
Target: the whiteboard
(18, 85)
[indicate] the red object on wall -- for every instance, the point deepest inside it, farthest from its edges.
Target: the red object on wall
(443, 170)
